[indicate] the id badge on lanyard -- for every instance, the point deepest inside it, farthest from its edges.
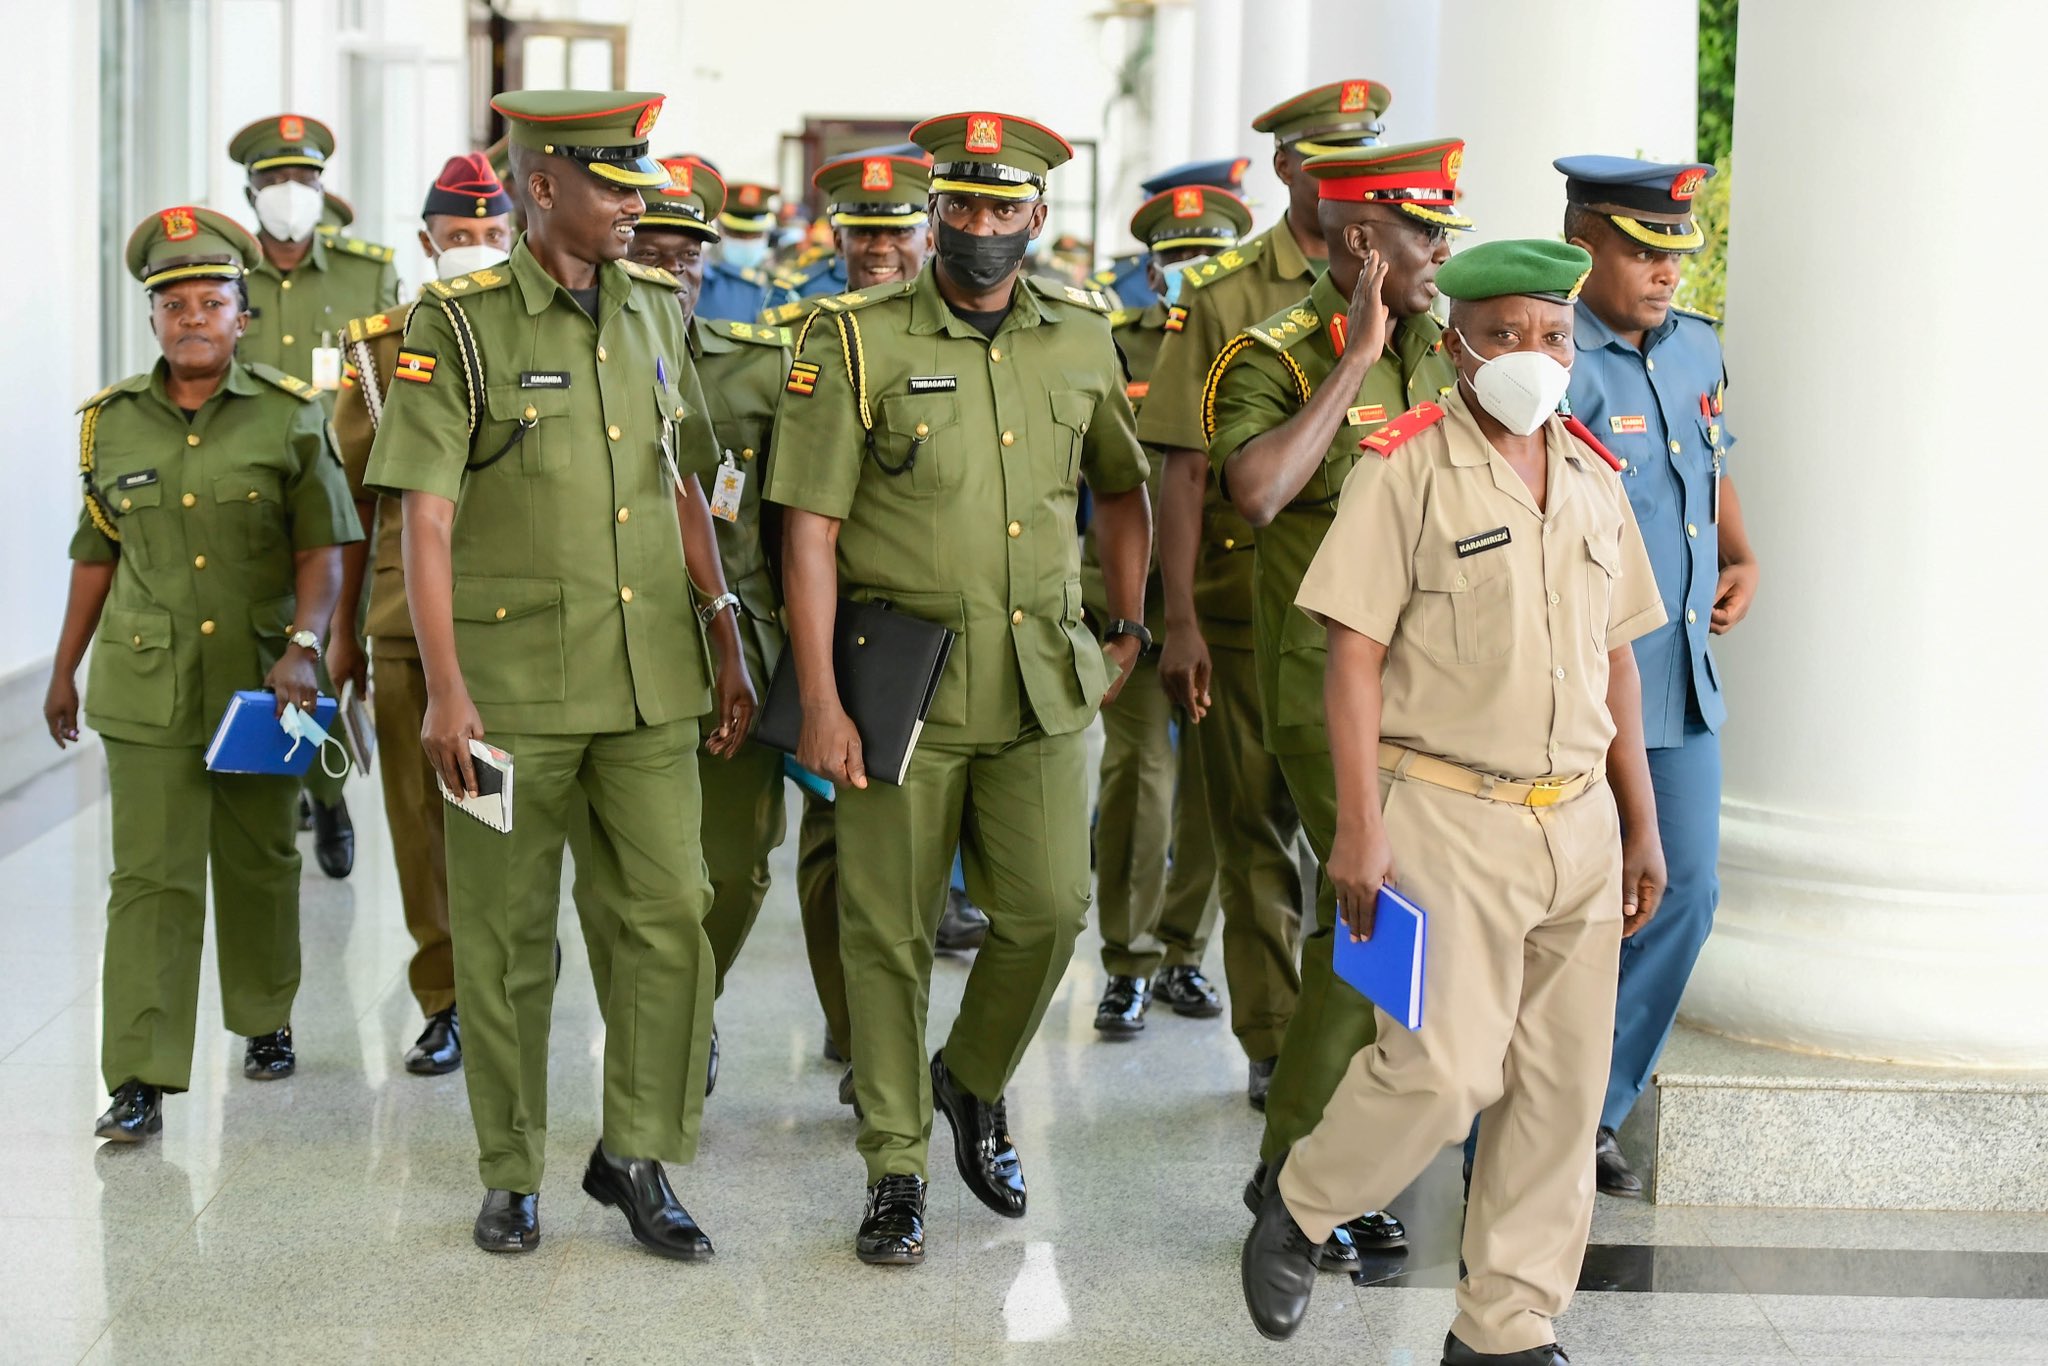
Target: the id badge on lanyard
(726, 494)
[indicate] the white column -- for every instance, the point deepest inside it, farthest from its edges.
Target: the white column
(1529, 81)
(1394, 42)
(1173, 87)
(1216, 125)
(1273, 64)
(1885, 830)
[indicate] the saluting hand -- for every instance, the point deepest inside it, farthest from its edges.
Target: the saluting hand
(450, 724)
(1367, 321)
(1360, 860)
(830, 746)
(60, 709)
(1184, 670)
(1642, 878)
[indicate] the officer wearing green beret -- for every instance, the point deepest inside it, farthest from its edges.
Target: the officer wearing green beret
(206, 561)
(310, 281)
(1479, 591)
(544, 410)
(1291, 398)
(929, 450)
(1152, 800)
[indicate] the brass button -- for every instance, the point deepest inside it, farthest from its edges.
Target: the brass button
(205, 628)
(1691, 530)
(1017, 617)
(199, 562)
(188, 500)
(1009, 438)
(600, 353)
(1084, 429)
(136, 641)
(500, 614)
(1621, 461)
(1230, 542)
(995, 353)
(191, 438)
(922, 430)
(1649, 364)
(285, 284)
(612, 432)
(1691, 616)
(680, 410)
(1016, 530)
(625, 595)
(531, 412)
(746, 453)
(1674, 448)
(127, 503)
(288, 339)
(625, 513)
(254, 495)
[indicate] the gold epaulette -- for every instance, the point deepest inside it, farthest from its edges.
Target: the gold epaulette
(653, 275)
(1124, 317)
(355, 246)
(861, 298)
(783, 314)
(760, 334)
(376, 325)
(1058, 290)
(1292, 324)
(490, 277)
(1223, 265)
(291, 384)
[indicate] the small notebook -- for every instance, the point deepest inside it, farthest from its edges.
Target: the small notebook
(1387, 968)
(492, 803)
(355, 719)
(888, 665)
(250, 740)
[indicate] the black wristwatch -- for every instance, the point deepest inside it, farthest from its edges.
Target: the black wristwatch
(1134, 629)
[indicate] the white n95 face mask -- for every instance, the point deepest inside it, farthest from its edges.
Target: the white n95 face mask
(462, 260)
(1520, 388)
(288, 210)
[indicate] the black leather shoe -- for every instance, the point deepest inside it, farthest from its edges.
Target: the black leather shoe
(1261, 1081)
(269, 1057)
(1457, 1353)
(638, 1188)
(1377, 1231)
(847, 1095)
(1121, 1012)
(963, 926)
(137, 1112)
(508, 1222)
(982, 1150)
(334, 839)
(1373, 1231)
(831, 1051)
(1278, 1266)
(1188, 992)
(438, 1050)
(305, 812)
(711, 1068)
(892, 1229)
(1611, 1170)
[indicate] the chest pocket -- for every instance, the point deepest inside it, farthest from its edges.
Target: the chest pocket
(1071, 411)
(249, 513)
(1466, 608)
(139, 517)
(915, 437)
(545, 447)
(1603, 567)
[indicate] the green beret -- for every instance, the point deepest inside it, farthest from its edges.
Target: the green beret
(875, 189)
(691, 200)
(606, 130)
(999, 155)
(282, 140)
(187, 243)
(1530, 265)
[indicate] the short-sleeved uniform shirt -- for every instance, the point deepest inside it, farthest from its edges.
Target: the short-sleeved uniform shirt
(1497, 618)
(1138, 334)
(572, 607)
(210, 512)
(377, 338)
(339, 279)
(988, 439)
(1265, 376)
(1659, 410)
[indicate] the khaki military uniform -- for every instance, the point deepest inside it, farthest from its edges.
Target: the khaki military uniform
(412, 802)
(1263, 378)
(1155, 853)
(1260, 883)
(976, 532)
(209, 513)
(1496, 662)
(580, 646)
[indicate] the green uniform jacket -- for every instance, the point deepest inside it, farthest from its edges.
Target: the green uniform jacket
(743, 366)
(209, 513)
(377, 339)
(975, 529)
(1138, 333)
(339, 279)
(573, 613)
(1263, 377)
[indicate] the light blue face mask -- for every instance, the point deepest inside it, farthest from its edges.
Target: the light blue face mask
(305, 730)
(1173, 274)
(744, 253)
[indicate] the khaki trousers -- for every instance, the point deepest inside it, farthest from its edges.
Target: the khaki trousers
(413, 807)
(1524, 932)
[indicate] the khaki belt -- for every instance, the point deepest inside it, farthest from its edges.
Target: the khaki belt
(1408, 763)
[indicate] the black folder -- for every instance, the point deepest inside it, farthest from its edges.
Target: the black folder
(888, 665)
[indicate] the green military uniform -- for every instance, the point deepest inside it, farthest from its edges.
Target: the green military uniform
(1262, 378)
(974, 529)
(551, 428)
(201, 514)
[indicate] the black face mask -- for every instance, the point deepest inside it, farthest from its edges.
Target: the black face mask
(980, 263)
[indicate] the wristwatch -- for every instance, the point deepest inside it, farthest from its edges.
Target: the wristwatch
(1134, 629)
(306, 641)
(708, 613)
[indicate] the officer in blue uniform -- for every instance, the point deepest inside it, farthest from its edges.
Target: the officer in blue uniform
(1649, 380)
(1125, 276)
(737, 284)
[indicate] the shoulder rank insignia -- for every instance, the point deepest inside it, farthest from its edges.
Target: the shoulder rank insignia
(1225, 264)
(761, 334)
(357, 247)
(653, 275)
(803, 379)
(376, 325)
(1087, 298)
(1123, 317)
(753, 276)
(490, 277)
(789, 313)
(1591, 442)
(1287, 327)
(860, 298)
(103, 395)
(291, 384)
(1176, 318)
(1420, 418)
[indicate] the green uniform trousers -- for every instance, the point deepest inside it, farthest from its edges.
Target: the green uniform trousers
(1009, 807)
(412, 809)
(642, 896)
(744, 821)
(817, 901)
(1155, 858)
(1331, 1021)
(173, 822)
(1260, 879)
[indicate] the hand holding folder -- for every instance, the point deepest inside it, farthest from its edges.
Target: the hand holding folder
(1387, 967)
(888, 665)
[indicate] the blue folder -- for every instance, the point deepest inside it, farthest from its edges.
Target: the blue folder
(250, 740)
(1387, 968)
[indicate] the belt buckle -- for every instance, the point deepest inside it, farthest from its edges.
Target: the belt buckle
(1544, 794)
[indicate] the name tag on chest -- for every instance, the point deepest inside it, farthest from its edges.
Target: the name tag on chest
(934, 384)
(1628, 425)
(1365, 413)
(1484, 541)
(543, 379)
(135, 480)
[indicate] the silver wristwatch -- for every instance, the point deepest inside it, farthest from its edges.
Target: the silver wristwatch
(708, 613)
(306, 641)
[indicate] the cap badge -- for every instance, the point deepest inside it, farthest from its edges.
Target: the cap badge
(877, 174)
(1187, 203)
(180, 224)
(750, 196)
(984, 133)
(647, 117)
(679, 178)
(1454, 162)
(1688, 183)
(291, 128)
(1354, 97)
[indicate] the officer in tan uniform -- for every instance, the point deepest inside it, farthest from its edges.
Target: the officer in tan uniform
(1480, 589)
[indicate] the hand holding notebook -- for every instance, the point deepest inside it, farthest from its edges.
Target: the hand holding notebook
(492, 803)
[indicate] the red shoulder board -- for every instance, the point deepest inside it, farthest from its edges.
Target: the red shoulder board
(1579, 429)
(1421, 417)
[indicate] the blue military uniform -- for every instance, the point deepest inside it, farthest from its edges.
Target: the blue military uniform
(828, 277)
(1658, 409)
(1124, 276)
(735, 295)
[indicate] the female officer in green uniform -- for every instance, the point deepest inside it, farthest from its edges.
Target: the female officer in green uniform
(214, 514)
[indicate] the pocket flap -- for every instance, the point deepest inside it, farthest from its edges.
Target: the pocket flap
(945, 609)
(247, 486)
(478, 599)
(137, 628)
(1300, 631)
(1072, 408)
(903, 414)
(127, 500)
(510, 403)
(1449, 574)
(1604, 549)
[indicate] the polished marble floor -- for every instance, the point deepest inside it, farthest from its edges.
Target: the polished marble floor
(326, 1218)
